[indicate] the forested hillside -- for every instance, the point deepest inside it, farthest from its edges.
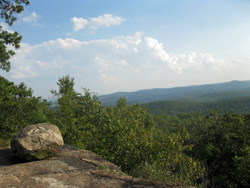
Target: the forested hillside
(205, 150)
(203, 93)
(176, 107)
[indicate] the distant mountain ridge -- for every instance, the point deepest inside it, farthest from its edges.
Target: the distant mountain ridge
(202, 93)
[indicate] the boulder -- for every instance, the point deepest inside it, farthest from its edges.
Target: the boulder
(36, 142)
(69, 168)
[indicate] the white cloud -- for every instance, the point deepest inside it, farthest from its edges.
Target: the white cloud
(94, 23)
(157, 48)
(6, 27)
(199, 62)
(48, 65)
(179, 62)
(105, 20)
(79, 23)
(101, 63)
(238, 61)
(23, 72)
(32, 18)
(111, 65)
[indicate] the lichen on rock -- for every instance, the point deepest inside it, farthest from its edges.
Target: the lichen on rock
(36, 142)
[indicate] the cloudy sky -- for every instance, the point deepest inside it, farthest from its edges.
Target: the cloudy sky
(128, 45)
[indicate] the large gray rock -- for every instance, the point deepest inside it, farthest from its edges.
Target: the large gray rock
(69, 168)
(37, 142)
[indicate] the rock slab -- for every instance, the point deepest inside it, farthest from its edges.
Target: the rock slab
(69, 168)
(36, 142)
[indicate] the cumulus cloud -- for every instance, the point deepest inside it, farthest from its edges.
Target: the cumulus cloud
(106, 20)
(122, 62)
(79, 23)
(157, 49)
(179, 62)
(23, 72)
(32, 18)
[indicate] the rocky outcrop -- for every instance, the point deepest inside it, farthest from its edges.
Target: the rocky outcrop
(69, 168)
(61, 167)
(37, 142)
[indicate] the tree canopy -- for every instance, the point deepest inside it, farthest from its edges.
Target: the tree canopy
(18, 108)
(7, 11)
(188, 149)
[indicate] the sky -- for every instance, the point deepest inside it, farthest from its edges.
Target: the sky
(129, 45)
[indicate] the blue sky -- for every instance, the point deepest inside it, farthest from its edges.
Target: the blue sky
(128, 45)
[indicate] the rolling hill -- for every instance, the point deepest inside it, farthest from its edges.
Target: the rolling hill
(199, 93)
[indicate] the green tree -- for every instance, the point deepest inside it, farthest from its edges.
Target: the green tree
(7, 10)
(75, 112)
(18, 108)
(225, 150)
(220, 143)
(122, 102)
(64, 116)
(125, 135)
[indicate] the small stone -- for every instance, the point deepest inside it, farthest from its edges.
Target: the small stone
(36, 142)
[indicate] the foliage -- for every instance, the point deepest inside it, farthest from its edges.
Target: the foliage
(4, 142)
(18, 108)
(74, 111)
(221, 143)
(176, 107)
(7, 10)
(226, 143)
(192, 148)
(125, 135)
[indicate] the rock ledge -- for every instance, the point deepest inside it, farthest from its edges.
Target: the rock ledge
(69, 168)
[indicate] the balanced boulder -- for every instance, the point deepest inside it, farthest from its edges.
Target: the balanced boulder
(36, 142)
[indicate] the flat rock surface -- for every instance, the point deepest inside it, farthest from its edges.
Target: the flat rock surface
(70, 168)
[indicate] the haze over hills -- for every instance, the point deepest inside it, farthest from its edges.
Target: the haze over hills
(201, 93)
